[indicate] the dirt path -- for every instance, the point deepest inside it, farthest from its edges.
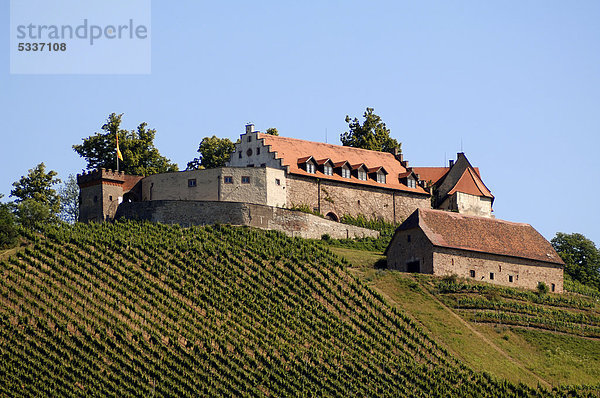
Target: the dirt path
(484, 338)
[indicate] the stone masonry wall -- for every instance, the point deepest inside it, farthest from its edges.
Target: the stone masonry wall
(403, 250)
(188, 213)
(345, 199)
(525, 273)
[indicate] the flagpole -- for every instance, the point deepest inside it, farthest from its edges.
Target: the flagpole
(117, 151)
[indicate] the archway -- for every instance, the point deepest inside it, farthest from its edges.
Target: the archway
(332, 216)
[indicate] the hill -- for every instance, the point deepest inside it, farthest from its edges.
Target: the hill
(514, 334)
(141, 309)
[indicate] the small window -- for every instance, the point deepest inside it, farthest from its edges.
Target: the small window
(491, 276)
(263, 165)
(362, 175)
(310, 168)
(249, 138)
(228, 180)
(250, 165)
(510, 278)
(345, 172)
(240, 154)
(245, 180)
(192, 182)
(408, 238)
(258, 151)
(381, 178)
(277, 181)
(328, 170)
(472, 273)
(553, 287)
(110, 197)
(411, 183)
(249, 152)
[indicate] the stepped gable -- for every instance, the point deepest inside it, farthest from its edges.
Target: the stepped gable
(482, 234)
(292, 152)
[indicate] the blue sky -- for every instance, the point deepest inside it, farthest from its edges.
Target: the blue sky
(517, 83)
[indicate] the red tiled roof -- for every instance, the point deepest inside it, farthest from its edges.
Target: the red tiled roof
(434, 174)
(130, 182)
(290, 150)
(482, 234)
(470, 183)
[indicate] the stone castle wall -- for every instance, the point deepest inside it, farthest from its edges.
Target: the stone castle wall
(188, 213)
(346, 199)
(232, 184)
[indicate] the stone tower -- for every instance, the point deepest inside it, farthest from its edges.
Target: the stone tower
(101, 192)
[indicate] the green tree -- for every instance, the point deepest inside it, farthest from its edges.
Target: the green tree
(140, 156)
(69, 200)
(581, 257)
(214, 152)
(372, 134)
(272, 131)
(31, 214)
(8, 227)
(37, 186)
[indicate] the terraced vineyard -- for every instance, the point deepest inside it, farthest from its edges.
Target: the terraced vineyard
(567, 313)
(141, 309)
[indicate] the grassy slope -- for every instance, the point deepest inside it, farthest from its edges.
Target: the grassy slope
(525, 355)
(140, 309)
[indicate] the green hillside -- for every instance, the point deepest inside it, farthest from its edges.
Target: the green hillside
(141, 309)
(513, 334)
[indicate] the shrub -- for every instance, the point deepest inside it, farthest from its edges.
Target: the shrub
(542, 288)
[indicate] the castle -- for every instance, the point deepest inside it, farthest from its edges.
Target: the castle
(283, 172)
(445, 213)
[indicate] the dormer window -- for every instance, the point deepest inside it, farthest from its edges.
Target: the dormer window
(362, 174)
(380, 177)
(411, 183)
(310, 167)
(328, 170)
(345, 172)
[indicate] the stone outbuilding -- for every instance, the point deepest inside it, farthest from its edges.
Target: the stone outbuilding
(480, 248)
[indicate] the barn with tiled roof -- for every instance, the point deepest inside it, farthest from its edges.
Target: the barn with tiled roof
(481, 248)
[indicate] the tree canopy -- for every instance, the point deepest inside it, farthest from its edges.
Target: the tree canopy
(372, 134)
(214, 152)
(581, 257)
(37, 186)
(140, 156)
(69, 200)
(272, 131)
(8, 227)
(36, 201)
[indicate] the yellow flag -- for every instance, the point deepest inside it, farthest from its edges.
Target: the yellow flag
(119, 154)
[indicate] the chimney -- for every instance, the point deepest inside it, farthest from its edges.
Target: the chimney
(249, 128)
(450, 163)
(398, 155)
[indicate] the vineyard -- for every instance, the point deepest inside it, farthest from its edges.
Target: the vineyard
(575, 314)
(142, 309)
